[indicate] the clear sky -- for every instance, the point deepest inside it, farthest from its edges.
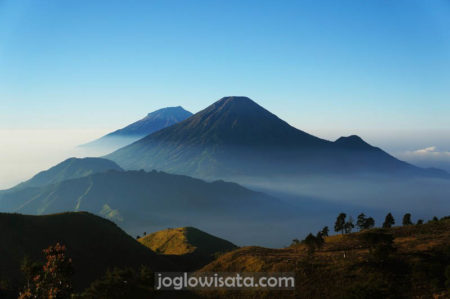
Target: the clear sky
(328, 67)
(349, 64)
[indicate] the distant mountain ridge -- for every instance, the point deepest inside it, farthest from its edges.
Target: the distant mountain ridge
(70, 169)
(140, 200)
(236, 137)
(153, 122)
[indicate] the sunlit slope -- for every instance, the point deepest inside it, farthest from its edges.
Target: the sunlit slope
(185, 240)
(346, 267)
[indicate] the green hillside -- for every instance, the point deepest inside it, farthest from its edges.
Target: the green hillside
(94, 244)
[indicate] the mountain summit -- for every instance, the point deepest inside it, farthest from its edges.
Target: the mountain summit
(235, 121)
(153, 122)
(236, 136)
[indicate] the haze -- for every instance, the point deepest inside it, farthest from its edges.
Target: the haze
(26, 152)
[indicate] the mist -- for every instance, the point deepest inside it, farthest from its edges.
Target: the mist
(23, 153)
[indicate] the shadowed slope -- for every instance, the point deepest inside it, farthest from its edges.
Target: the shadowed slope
(94, 244)
(139, 200)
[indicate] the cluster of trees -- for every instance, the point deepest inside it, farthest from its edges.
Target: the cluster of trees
(346, 226)
(314, 242)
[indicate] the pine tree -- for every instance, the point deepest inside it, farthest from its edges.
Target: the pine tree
(407, 219)
(325, 231)
(361, 221)
(389, 221)
(339, 226)
(348, 226)
(370, 222)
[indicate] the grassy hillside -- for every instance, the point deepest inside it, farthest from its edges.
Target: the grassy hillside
(188, 247)
(185, 240)
(349, 266)
(94, 244)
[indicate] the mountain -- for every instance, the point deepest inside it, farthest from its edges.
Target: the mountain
(153, 122)
(94, 244)
(236, 137)
(187, 246)
(139, 200)
(69, 169)
(399, 262)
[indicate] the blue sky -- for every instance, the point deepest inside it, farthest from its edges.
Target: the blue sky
(347, 65)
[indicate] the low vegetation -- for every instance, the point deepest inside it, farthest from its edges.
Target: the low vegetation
(408, 261)
(411, 261)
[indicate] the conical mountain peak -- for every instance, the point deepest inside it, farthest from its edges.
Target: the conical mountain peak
(234, 121)
(236, 136)
(237, 104)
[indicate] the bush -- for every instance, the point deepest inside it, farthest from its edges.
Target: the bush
(122, 283)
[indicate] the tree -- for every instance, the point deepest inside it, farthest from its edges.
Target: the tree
(370, 222)
(319, 240)
(54, 279)
(348, 226)
(295, 242)
(339, 226)
(389, 221)
(407, 219)
(364, 223)
(122, 283)
(361, 221)
(310, 242)
(420, 221)
(313, 242)
(324, 232)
